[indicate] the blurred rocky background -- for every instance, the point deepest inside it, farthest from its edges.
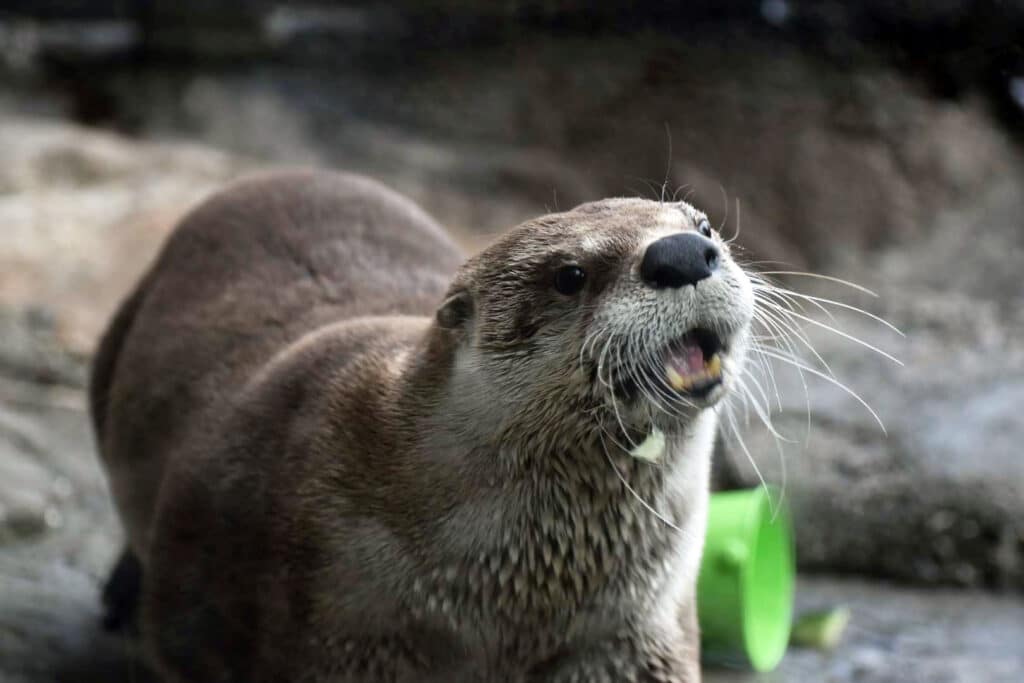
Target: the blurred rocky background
(878, 142)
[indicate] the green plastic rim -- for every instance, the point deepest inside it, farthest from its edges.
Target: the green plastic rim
(746, 583)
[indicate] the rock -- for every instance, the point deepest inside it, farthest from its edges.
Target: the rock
(58, 534)
(83, 213)
(939, 495)
(821, 161)
(900, 635)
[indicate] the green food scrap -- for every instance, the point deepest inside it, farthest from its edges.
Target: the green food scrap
(821, 629)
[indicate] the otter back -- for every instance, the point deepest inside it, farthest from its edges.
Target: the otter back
(243, 276)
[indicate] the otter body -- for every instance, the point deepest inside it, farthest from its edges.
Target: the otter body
(340, 456)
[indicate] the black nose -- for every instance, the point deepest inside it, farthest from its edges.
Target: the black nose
(681, 259)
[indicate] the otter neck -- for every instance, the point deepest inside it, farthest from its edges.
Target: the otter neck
(554, 516)
(564, 437)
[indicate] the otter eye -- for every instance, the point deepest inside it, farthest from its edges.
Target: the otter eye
(704, 227)
(569, 280)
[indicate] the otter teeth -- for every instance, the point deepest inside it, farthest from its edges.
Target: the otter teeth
(685, 381)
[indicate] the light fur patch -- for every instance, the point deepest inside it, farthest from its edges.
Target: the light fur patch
(671, 219)
(592, 244)
(652, 449)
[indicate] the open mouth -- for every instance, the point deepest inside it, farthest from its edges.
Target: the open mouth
(693, 363)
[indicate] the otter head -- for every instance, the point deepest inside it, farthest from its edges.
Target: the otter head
(622, 314)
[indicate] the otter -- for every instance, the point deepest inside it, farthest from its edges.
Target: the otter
(340, 452)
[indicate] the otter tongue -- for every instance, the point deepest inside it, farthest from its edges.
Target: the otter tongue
(689, 360)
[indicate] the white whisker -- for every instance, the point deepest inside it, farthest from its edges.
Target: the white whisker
(840, 304)
(834, 330)
(831, 380)
(852, 285)
(750, 458)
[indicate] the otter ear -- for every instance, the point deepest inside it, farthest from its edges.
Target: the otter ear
(455, 310)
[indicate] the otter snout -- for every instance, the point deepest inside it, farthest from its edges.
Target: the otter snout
(678, 260)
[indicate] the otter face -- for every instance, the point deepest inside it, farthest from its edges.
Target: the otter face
(629, 306)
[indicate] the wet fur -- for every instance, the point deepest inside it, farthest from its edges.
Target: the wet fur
(324, 480)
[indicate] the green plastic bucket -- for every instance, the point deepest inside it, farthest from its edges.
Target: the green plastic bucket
(745, 587)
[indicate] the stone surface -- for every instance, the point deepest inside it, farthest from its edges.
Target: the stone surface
(82, 214)
(898, 635)
(58, 533)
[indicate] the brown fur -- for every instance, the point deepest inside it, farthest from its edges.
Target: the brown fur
(323, 483)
